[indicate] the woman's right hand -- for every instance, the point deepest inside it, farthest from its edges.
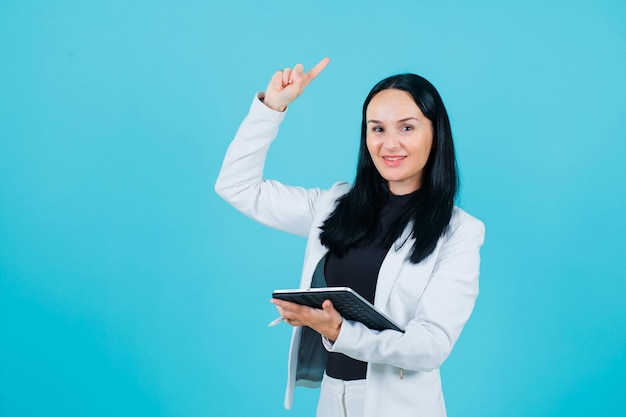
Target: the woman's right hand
(287, 85)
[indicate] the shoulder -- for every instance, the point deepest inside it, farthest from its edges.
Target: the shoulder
(339, 189)
(328, 197)
(463, 224)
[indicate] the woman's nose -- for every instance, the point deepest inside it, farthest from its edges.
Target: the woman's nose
(391, 142)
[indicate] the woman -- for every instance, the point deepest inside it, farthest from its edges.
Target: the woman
(394, 236)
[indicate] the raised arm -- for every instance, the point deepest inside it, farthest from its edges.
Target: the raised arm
(240, 181)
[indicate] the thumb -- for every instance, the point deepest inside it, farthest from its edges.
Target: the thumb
(328, 306)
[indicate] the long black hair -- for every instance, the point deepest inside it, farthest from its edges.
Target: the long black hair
(355, 218)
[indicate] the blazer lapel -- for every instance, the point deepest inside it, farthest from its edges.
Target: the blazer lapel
(390, 268)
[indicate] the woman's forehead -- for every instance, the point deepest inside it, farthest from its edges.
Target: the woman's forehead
(392, 104)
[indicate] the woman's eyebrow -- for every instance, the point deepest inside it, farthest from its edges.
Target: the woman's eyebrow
(406, 119)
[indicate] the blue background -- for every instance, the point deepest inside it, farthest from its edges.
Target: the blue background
(128, 288)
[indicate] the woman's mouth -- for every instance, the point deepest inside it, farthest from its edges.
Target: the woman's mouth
(392, 161)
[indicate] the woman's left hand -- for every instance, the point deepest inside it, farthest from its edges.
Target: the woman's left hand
(326, 321)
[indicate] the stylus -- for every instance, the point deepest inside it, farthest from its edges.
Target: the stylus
(275, 322)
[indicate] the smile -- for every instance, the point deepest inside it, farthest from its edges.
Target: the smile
(393, 158)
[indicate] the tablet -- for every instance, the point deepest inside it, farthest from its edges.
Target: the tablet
(345, 300)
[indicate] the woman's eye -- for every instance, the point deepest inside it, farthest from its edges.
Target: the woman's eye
(377, 129)
(406, 128)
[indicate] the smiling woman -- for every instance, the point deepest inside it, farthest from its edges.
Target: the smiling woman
(399, 139)
(394, 236)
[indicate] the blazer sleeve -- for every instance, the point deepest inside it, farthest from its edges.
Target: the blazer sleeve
(443, 310)
(241, 183)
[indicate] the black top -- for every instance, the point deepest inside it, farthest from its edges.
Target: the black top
(358, 269)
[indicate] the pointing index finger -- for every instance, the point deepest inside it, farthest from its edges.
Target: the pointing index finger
(317, 69)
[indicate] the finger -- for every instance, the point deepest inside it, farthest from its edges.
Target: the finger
(316, 70)
(277, 80)
(294, 322)
(297, 74)
(288, 305)
(286, 75)
(290, 317)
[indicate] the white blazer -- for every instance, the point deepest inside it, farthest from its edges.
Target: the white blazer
(431, 300)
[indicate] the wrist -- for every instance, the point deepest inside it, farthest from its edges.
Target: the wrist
(272, 105)
(333, 334)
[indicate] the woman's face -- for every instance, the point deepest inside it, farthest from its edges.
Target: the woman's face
(399, 139)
